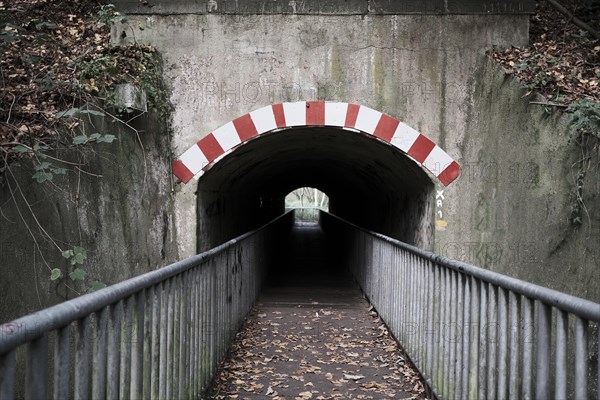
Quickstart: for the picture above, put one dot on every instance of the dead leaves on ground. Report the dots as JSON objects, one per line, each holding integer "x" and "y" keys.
{"x": 345, "y": 354}
{"x": 562, "y": 62}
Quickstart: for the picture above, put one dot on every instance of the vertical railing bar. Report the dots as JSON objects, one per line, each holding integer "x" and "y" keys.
{"x": 137, "y": 348}
{"x": 451, "y": 335}
{"x": 37, "y": 368}
{"x": 598, "y": 363}
{"x": 82, "y": 359}
{"x": 148, "y": 349}
{"x": 542, "y": 387}
{"x": 7, "y": 375}
{"x": 170, "y": 337}
{"x": 157, "y": 328}
{"x": 474, "y": 342}
{"x": 560, "y": 388}
{"x": 528, "y": 339}
{"x": 126, "y": 342}
{"x": 114, "y": 351}
{"x": 492, "y": 340}
{"x": 196, "y": 328}
{"x": 443, "y": 325}
{"x": 184, "y": 323}
{"x": 581, "y": 358}
{"x": 410, "y": 281}
{"x": 516, "y": 349}
{"x": 100, "y": 356}
{"x": 164, "y": 339}
{"x": 503, "y": 333}
{"x": 483, "y": 340}
{"x": 422, "y": 315}
{"x": 62, "y": 364}
{"x": 430, "y": 323}
{"x": 459, "y": 332}
{"x": 435, "y": 332}
{"x": 465, "y": 327}
{"x": 174, "y": 373}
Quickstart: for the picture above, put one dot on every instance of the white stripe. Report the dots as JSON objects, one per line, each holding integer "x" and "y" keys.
{"x": 264, "y": 119}
{"x": 194, "y": 159}
{"x": 367, "y": 119}
{"x": 437, "y": 160}
{"x": 227, "y": 136}
{"x": 198, "y": 175}
{"x": 404, "y": 137}
{"x": 335, "y": 114}
{"x": 295, "y": 113}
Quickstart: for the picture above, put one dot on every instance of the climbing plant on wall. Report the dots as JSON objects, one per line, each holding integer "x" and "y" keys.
{"x": 58, "y": 75}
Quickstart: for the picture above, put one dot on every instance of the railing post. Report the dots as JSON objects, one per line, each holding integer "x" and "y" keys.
{"x": 37, "y": 369}
{"x": 542, "y": 386}
{"x": 581, "y": 358}
{"x": 7, "y": 375}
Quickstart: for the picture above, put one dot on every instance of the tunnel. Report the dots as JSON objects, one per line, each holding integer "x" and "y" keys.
{"x": 368, "y": 183}
{"x": 377, "y": 172}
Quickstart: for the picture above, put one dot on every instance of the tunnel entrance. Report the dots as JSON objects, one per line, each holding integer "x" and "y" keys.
{"x": 368, "y": 183}
{"x": 376, "y": 170}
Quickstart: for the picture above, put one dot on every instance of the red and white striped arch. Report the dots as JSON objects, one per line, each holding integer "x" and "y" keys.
{"x": 353, "y": 117}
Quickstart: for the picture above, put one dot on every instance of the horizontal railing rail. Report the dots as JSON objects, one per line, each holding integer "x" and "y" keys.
{"x": 158, "y": 335}
{"x": 474, "y": 333}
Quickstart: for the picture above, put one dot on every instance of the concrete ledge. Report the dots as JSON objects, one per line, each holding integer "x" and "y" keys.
{"x": 326, "y": 7}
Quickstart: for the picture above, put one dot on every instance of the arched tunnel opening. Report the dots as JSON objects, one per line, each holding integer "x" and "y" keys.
{"x": 368, "y": 183}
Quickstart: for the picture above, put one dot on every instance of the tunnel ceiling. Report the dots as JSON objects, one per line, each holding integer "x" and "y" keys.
{"x": 334, "y": 161}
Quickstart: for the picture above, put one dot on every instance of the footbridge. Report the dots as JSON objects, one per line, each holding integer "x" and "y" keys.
{"x": 471, "y": 333}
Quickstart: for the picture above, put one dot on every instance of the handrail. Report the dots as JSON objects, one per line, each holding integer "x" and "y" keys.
{"x": 157, "y": 335}
{"x": 584, "y": 308}
{"x": 471, "y": 332}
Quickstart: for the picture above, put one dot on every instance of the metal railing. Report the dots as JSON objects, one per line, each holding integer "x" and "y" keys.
{"x": 158, "y": 335}
{"x": 473, "y": 333}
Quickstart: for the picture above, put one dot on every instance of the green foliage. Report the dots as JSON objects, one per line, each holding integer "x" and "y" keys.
{"x": 107, "y": 16}
{"x": 77, "y": 275}
{"x": 96, "y": 137}
{"x": 585, "y": 117}
{"x": 76, "y": 255}
{"x": 96, "y": 285}
{"x": 55, "y": 274}
{"x": 45, "y": 171}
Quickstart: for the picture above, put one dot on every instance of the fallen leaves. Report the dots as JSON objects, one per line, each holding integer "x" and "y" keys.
{"x": 562, "y": 63}
{"x": 346, "y": 355}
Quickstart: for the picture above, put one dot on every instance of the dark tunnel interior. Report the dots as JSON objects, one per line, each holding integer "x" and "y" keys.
{"x": 368, "y": 182}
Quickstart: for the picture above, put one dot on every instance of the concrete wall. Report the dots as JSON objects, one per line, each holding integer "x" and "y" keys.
{"x": 415, "y": 68}
{"x": 123, "y": 219}
{"x": 511, "y": 209}
{"x": 427, "y": 70}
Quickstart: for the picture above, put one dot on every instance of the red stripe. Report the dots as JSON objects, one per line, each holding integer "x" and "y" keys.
{"x": 449, "y": 174}
{"x": 279, "y": 115}
{"x": 181, "y": 171}
{"x": 245, "y": 127}
{"x": 421, "y": 148}
{"x": 210, "y": 147}
{"x": 315, "y": 113}
{"x": 386, "y": 127}
{"x": 351, "y": 115}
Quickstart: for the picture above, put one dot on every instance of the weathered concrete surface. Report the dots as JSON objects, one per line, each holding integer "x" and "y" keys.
{"x": 123, "y": 218}
{"x": 415, "y": 68}
{"x": 511, "y": 209}
{"x": 335, "y": 7}
{"x": 429, "y": 71}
